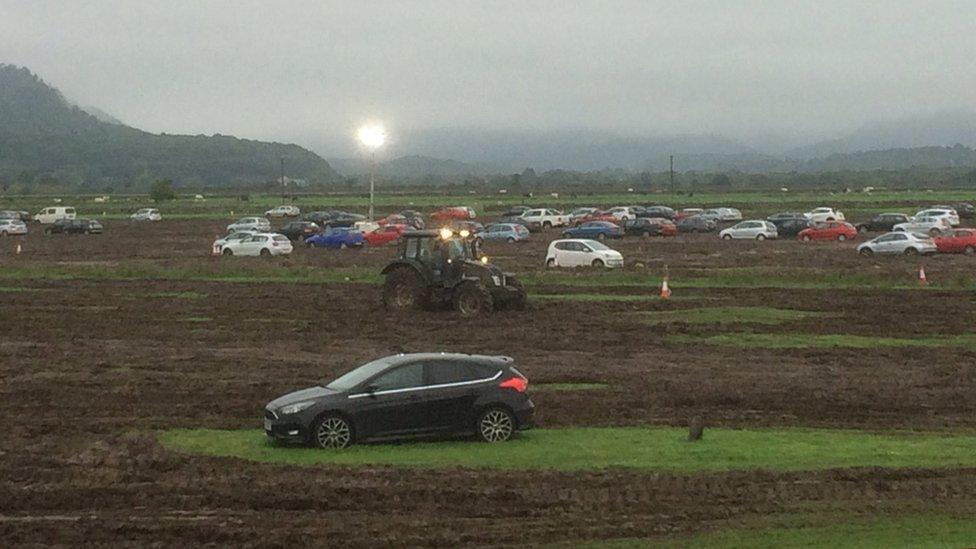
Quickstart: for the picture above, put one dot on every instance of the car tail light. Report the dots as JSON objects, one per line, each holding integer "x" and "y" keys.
{"x": 520, "y": 384}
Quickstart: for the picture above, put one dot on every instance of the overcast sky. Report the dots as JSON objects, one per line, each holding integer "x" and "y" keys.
{"x": 287, "y": 70}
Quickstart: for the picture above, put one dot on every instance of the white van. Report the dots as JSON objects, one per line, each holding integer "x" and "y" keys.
{"x": 54, "y": 213}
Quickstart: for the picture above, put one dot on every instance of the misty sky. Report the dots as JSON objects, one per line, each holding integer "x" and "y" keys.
{"x": 290, "y": 70}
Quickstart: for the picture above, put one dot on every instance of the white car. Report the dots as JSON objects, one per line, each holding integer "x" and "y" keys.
{"x": 146, "y": 214}
{"x": 218, "y": 244}
{"x": 621, "y": 213}
{"x": 266, "y": 244}
{"x": 283, "y": 211}
{"x": 12, "y": 227}
{"x": 546, "y": 218}
{"x": 951, "y": 216}
{"x": 256, "y": 224}
{"x": 824, "y": 214}
{"x": 579, "y": 252}
{"x": 921, "y": 224}
{"x": 726, "y": 214}
{"x": 754, "y": 229}
{"x": 899, "y": 242}
{"x": 54, "y": 213}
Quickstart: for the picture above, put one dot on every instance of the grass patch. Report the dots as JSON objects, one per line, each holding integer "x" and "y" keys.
{"x": 595, "y": 298}
{"x": 818, "y": 341}
{"x": 653, "y": 449}
{"x": 205, "y": 271}
{"x": 728, "y": 315}
{"x": 196, "y": 319}
{"x": 921, "y": 530}
{"x": 178, "y": 295}
{"x": 15, "y": 289}
{"x": 547, "y": 387}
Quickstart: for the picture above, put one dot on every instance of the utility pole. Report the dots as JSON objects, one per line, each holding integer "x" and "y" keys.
{"x": 672, "y": 173}
{"x": 372, "y": 181}
{"x": 282, "y": 179}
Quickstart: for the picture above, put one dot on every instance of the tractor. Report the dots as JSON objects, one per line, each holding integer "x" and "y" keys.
{"x": 434, "y": 268}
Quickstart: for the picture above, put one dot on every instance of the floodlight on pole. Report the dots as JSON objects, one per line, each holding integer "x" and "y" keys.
{"x": 372, "y": 137}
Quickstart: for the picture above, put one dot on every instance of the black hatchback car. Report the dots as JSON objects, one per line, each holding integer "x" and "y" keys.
{"x": 299, "y": 230}
{"x": 407, "y": 396}
{"x": 74, "y": 226}
{"x": 882, "y": 222}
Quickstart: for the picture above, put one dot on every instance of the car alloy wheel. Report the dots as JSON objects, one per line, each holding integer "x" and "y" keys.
{"x": 598, "y": 263}
{"x": 646, "y": 234}
{"x": 806, "y": 238}
{"x": 866, "y": 251}
{"x": 727, "y": 237}
{"x": 265, "y": 252}
{"x": 3, "y": 233}
{"x": 228, "y": 251}
{"x": 511, "y": 240}
{"x": 841, "y": 238}
{"x": 333, "y": 432}
{"x": 551, "y": 263}
{"x": 911, "y": 251}
{"x": 601, "y": 236}
{"x": 862, "y": 229}
{"x": 969, "y": 250}
{"x": 496, "y": 425}
{"x": 761, "y": 237}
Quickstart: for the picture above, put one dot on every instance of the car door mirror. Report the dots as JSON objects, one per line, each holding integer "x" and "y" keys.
{"x": 371, "y": 390}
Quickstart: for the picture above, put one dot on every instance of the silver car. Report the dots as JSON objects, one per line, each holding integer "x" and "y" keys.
{"x": 256, "y": 224}
{"x": 12, "y": 227}
{"x": 898, "y": 242}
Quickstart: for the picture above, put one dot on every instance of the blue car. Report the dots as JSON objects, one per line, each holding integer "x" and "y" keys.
{"x": 598, "y": 230}
{"x": 511, "y": 232}
{"x": 337, "y": 237}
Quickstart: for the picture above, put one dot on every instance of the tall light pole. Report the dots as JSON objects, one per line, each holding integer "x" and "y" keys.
{"x": 282, "y": 179}
{"x": 371, "y": 136}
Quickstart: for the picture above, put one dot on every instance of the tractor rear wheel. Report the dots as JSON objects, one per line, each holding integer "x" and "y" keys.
{"x": 517, "y": 302}
{"x": 405, "y": 289}
{"x": 472, "y": 299}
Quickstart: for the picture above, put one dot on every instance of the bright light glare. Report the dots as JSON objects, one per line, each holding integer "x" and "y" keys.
{"x": 446, "y": 233}
{"x": 372, "y": 136}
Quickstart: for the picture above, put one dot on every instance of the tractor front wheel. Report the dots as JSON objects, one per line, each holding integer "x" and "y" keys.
{"x": 472, "y": 299}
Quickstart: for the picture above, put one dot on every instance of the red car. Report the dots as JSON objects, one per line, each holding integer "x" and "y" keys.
{"x": 957, "y": 241}
{"x": 392, "y": 219}
{"x": 597, "y": 216}
{"x": 831, "y": 230}
{"x": 386, "y": 234}
{"x": 448, "y": 214}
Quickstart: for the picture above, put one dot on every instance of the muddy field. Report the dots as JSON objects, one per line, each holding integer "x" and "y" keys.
{"x": 91, "y": 367}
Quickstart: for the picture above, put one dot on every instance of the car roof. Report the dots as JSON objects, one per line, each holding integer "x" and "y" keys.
{"x": 403, "y": 358}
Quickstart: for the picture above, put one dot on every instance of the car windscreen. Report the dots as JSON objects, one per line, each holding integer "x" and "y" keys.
{"x": 355, "y": 377}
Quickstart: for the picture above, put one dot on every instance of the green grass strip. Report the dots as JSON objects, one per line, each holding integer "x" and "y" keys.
{"x": 653, "y": 449}
{"x": 547, "y": 387}
{"x": 727, "y": 315}
{"x": 819, "y": 341}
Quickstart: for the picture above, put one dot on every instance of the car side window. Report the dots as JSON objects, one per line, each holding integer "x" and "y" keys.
{"x": 563, "y": 246}
{"x": 440, "y": 372}
{"x": 402, "y": 377}
{"x": 899, "y": 237}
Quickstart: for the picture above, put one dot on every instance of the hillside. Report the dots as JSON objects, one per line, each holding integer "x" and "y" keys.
{"x": 42, "y": 134}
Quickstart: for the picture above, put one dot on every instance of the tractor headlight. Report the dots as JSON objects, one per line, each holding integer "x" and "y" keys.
{"x": 465, "y": 233}
{"x": 497, "y": 280}
{"x": 446, "y": 233}
{"x": 484, "y": 259}
{"x": 295, "y": 408}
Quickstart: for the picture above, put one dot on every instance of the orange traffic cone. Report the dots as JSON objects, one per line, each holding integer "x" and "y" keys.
{"x": 921, "y": 276}
{"x": 665, "y": 290}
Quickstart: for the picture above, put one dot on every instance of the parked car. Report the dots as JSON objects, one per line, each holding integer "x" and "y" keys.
{"x": 957, "y": 241}
{"x": 407, "y": 396}
{"x": 657, "y": 211}
{"x": 950, "y": 215}
{"x": 757, "y": 229}
{"x": 695, "y": 224}
{"x": 621, "y": 213}
{"x": 711, "y": 215}
{"x": 822, "y": 214}
{"x": 218, "y": 244}
{"x": 256, "y": 224}
{"x": 898, "y": 242}
{"x": 386, "y": 234}
{"x": 579, "y": 252}
{"x": 650, "y": 226}
{"x": 548, "y": 218}
{"x": 337, "y": 237}
{"x": 452, "y": 213}
{"x": 285, "y": 210}
{"x": 510, "y": 232}
{"x": 515, "y": 211}
{"x": 882, "y": 222}
{"x": 596, "y": 216}
{"x": 688, "y": 212}
{"x": 54, "y": 213}
{"x": 146, "y": 214}
{"x": 299, "y": 230}
{"x": 265, "y": 244}
{"x": 74, "y": 226}
{"x": 965, "y": 210}
{"x": 15, "y": 214}
{"x": 532, "y": 226}
{"x": 414, "y": 218}
{"x": 792, "y": 227}
{"x": 473, "y": 227}
{"x": 728, "y": 214}
{"x": 930, "y": 225}
{"x": 594, "y": 229}
{"x": 831, "y": 230}
{"x": 579, "y": 213}
{"x": 11, "y": 227}
{"x": 777, "y": 218}
{"x": 334, "y": 218}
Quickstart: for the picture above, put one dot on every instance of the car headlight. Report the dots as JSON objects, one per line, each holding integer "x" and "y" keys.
{"x": 497, "y": 280}
{"x": 295, "y": 408}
